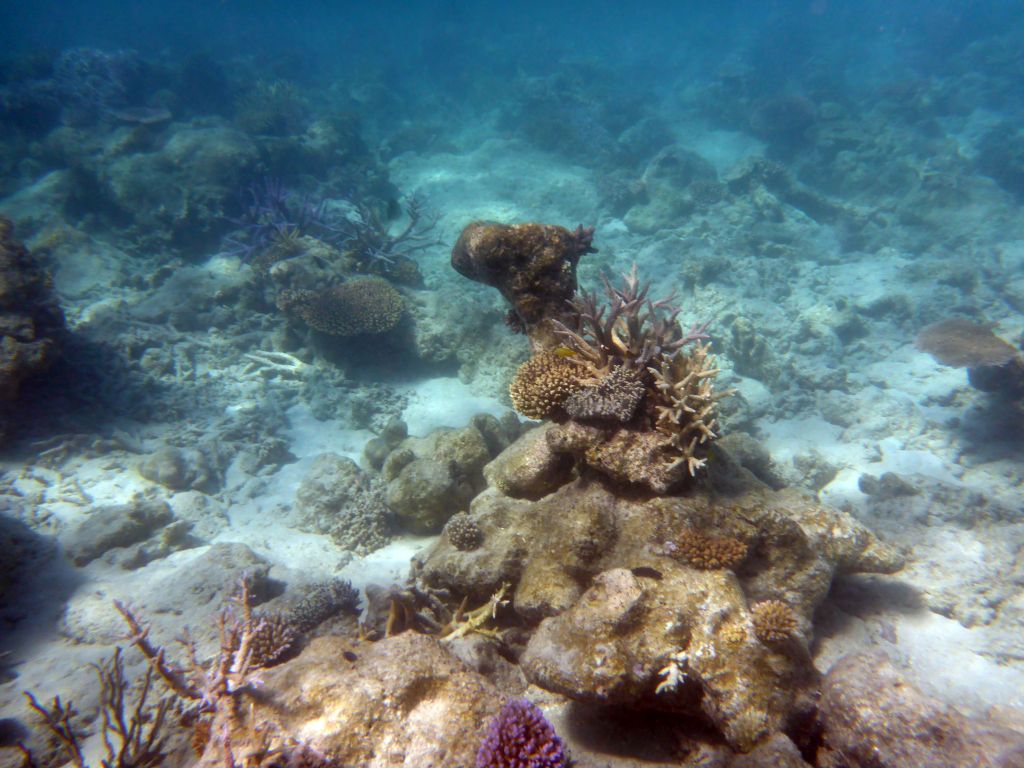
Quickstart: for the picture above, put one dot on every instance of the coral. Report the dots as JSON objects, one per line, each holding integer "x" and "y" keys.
{"x": 132, "y": 728}
{"x": 708, "y": 552}
{"x": 274, "y": 639}
{"x": 686, "y": 414}
{"x": 324, "y": 600}
{"x": 615, "y": 397}
{"x": 91, "y": 83}
{"x": 774, "y": 621}
{"x": 366, "y": 240}
{"x": 521, "y": 737}
{"x": 964, "y": 344}
{"x": 543, "y": 384}
{"x": 364, "y": 306}
{"x": 532, "y": 265}
{"x": 463, "y": 532}
{"x": 634, "y": 333}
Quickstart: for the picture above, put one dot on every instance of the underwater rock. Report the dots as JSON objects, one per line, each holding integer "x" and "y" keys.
{"x": 431, "y": 478}
{"x": 107, "y": 528}
{"x": 531, "y": 469}
{"x": 618, "y": 603}
{"x": 424, "y": 495}
{"x": 337, "y": 498}
{"x": 532, "y": 265}
{"x": 872, "y": 716}
{"x": 777, "y": 751}
{"x": 31, "y": 320}
{"x": 407, "y": 702}
{"x": 179, "y": 469}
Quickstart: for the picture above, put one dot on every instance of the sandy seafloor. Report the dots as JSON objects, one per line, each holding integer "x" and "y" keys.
{"x": 954, "y": 616}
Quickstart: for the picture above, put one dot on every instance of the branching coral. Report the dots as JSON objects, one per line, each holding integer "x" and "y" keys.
{"x": 132, "y": 729}
{"x": 630, "y": 330}
{"x": 651, "y": 377}
{"x": 213, "y": 691}
{"x": 365, "y": 306}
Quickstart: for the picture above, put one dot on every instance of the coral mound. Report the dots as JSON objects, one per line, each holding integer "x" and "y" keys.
{"x": 616, "y": 616}
{"x": 364, "y": 306}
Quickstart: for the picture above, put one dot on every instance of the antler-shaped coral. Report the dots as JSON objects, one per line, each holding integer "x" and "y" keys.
{"x": 635, "y": 331}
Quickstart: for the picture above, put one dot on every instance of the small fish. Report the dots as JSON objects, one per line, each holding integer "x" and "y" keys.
{"x": 565, "y": 352}
{"x": 645, "y": 571}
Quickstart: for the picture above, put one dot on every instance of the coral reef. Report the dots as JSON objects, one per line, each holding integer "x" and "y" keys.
{"x": 521, "y": 737}
{"x": 597, "y": 577}
{"x": 962, "y": 343}
{"x": 31, "y": 321}
{"x": 532, "y": 265}
{"x": 354, "y": 308}
{"x": 337, "y": 498}
{"x": 641, "y": 401}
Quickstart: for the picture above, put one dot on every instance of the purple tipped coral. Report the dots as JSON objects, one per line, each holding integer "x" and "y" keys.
{"x": 521, "y": 737}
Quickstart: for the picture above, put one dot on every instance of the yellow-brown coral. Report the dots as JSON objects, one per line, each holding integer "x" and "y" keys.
{"x": 774, "y": 621}
{"x": 369, "y": 305}
{"x": 542, "y": 385}
{"x": 709, "y": 552}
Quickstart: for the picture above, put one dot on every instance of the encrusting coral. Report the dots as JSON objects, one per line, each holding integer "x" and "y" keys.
{"x": 364, "y": 306}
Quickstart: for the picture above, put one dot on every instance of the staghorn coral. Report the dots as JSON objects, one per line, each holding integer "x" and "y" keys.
{"x": 464, "y": 532}
{"x": 774, "y": 621}
{"x": 521, "y": 737}
{"x": 364, "y": 306}
{"x": 543, "y": 384}
{"x": 615, "y": 397}
{"x": 213, "y": 691}
{"x": 132, "y": 726}
{"x": 631, "y": 330}
{"x": 686, "y": 413}
{"x": 708, "y": 552}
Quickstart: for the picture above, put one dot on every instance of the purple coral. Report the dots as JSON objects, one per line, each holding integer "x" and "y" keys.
{"x": 521, "y": 737}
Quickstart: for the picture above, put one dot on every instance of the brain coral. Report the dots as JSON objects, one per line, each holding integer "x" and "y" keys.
{"x": 542, "y": 385}
{"x": 369, "y": 305}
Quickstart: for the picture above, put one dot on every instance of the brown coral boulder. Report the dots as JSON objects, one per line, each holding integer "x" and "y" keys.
{"x": 873, "y": 717}
{"x": 31, "y": 321}
{"x": 533, "y": 265}
{"x": 404, "y": 701}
